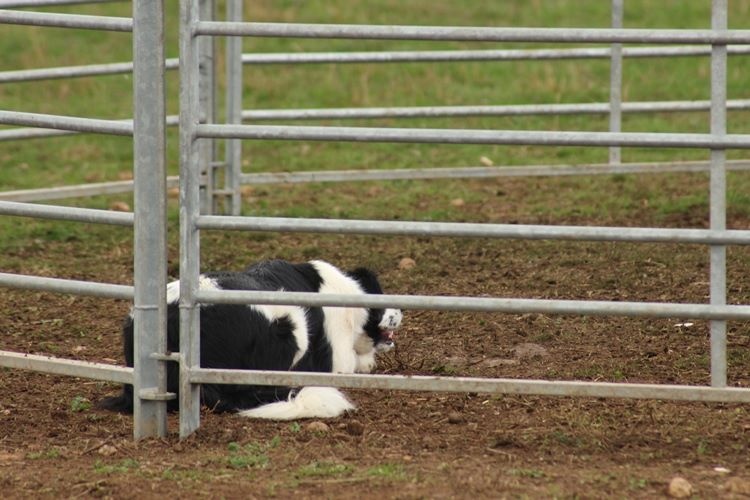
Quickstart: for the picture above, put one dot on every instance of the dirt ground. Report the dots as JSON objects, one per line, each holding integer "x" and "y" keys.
{"x": 55, "y": 444}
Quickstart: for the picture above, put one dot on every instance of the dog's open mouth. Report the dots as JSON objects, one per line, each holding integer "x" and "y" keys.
{"x": 389, "y": 323}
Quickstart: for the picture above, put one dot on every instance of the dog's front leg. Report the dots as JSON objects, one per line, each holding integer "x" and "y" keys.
{"x": 344, "y": 361}
{"x": 365, "y": 362}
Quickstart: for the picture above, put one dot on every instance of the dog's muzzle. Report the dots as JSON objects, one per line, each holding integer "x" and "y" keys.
{"x": 388, "y": 326}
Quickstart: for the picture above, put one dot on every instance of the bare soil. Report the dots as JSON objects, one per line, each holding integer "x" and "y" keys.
{"x": 54, "y": 444}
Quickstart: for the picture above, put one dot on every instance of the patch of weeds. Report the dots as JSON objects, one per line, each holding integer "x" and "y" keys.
{"x": 588, "y": 372}
{"x": 702, "y": 447}
{"x": 50, "y": 348}
{"x": 444, "y": 370}
{"x": 692, "y": 362}
{"x": 323, "y": 469}
{"x": 543, "y": 337}
{"x": 530, "y": 473}
{"x": 605, "y": 478}
{"x": 295, "y": 427}
{"x": 387, "y": 471}
{"x": 684, "y": 204}
{"x": 172, "y": 474}
{"x": 120, "y": 467}
{"x": 637, "y": 483}
{"x": 565, "y": 439}
{"x": 80, "y": 404}
{"x": 251, "y": 455}
{"x": 50, "y": 454}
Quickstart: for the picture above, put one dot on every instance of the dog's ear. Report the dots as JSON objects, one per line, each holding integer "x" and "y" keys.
{"x": 367, "y": 279}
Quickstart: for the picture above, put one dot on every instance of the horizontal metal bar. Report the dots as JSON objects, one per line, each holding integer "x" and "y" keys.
{"x": 381, "y": 57}
{"x": 472, "y": 384}
{"x": 480, "y": 55}
{"x": 479, "y": 172}
{"x": 74, "y": 287}
{"x": 57, "y": 20}
{"x": 37, "y": 133}
{"x": 55, "y": 193}
{"x": 66, "y": 123}
{"x": 76, "y": 214}
{"x": 15, "y": 4}
{"x": 16, "y": 134}
{"x": 70, "y": 367}
{"x": 467, "y": 136}
{"x": 79, "y": 190}
{"x": 475, "y": 230}
{"x": 470, "y": 34}
{"x": 24, "y": 75}
{"x": 481, "y": 304}
{"x": 500, "y": 110}
{"x": 393, "y": 112}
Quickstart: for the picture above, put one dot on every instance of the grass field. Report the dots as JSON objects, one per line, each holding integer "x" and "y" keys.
{"x": 74, "y": 160}
{"x": 396, "y": 445}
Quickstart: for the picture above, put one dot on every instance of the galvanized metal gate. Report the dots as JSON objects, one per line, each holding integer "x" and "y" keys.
{"x": 717, "y": 237}
{"x": 149, "y": 218}
{"x": 197, "y": 27}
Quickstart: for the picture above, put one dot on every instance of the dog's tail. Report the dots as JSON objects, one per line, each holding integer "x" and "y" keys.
{"x": 309, "y": 402}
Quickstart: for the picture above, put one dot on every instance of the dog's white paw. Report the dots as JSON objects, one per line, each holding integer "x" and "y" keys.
{"x": 366, "y": 362}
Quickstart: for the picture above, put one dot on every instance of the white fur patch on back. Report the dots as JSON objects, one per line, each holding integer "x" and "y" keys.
{"x": 342, "y": 325}
{"x": 204, "y": 283}
{"x": 173, "y": 289}
{"x": 173, "y": 292}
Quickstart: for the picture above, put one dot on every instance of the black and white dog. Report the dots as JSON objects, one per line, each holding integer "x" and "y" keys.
{"x": 268, "y": 337}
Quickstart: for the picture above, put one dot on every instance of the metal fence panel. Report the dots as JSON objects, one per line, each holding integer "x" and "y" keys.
{"x": 150, "y": 185}
{"x": 148, "y": 376}
{"x": 718, "y": 237}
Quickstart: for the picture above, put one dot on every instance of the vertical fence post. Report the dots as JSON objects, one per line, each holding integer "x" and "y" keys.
{"x": 233, "y": 154}
{"x": 718, "y": 188}
{"x": 207, "y": 99}
{"x": 189, "y": 211}
{"x": 615, "y": 83}
{"x": 149, "y": 151}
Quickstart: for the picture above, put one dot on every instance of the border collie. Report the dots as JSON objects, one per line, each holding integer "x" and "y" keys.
{"x": 269, "y": 337}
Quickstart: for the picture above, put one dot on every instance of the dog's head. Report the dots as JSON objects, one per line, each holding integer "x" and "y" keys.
{"x": 381, "y": 324}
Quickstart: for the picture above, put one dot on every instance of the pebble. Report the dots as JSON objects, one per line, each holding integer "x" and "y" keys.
{"x": 406, "y": 263}
{"x": 119, "y": 206}
{"x": 355, "y": 428}
{"x": 318, "y": 426}
{"x": 455, "y": 417}
{"x": 679, "y": 487}
{"x": 107, "y": 450}
{"x": 737, "y": 486}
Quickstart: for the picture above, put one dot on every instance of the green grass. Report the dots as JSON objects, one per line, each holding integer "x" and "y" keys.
{"x": 252, "y": 455}
{"x": 387, "y": 471}
{"x": 123, "y": 466}
{"x": 80, "y": 404}
{"x": 323, "y": 469}
{"x": 48, "y": 454}
{"x": 89, "y": 158}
